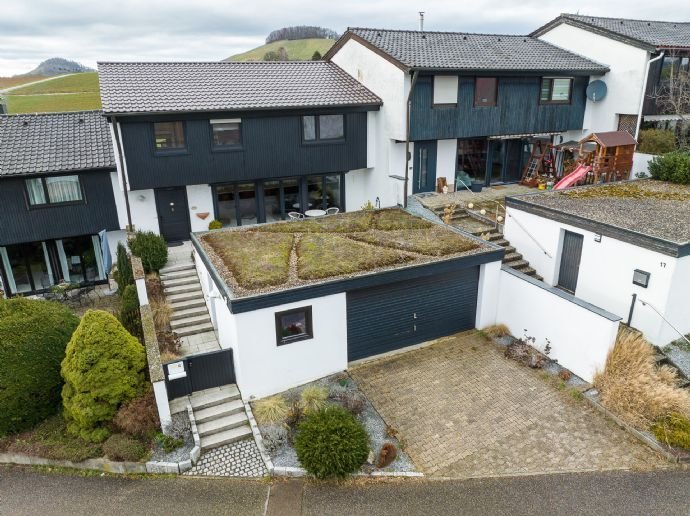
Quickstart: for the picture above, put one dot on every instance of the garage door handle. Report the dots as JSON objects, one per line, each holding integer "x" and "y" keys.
{"x": 414, "y": 315}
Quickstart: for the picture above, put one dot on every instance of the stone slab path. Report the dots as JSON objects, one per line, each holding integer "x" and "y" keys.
{"x": 463, "y": 410}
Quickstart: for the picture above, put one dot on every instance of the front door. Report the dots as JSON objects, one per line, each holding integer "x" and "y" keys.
{"x": 424, "y": 176}
{"x": 570, "y": 261}
{"x": 173, "y": 214}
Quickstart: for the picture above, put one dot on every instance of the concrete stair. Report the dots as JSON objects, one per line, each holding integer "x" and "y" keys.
{"x": 183, "y": 292}
{"x": 220, "y": 416}
{"x": 512, "y": 258}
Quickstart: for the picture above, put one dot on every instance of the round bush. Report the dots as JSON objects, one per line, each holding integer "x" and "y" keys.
{"x": 331, "y": 443}
{"x": 120, "y": 447}
{"x": 103, "y": 368}
{"x": 151, "y": 248}
{"x": 33, "y": 337}
{"x": 673, "y": 167}
{"x": 215, "y": 224}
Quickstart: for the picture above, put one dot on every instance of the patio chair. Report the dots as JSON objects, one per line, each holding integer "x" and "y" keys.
{"x": 333, "y": 210}
{"x": 295, "y": 215}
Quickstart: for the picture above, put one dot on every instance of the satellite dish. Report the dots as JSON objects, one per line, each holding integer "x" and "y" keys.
{"x": 596, "y": 90}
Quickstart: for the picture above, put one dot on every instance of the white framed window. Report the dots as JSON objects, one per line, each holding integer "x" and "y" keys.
{"x": 445, "y": 89}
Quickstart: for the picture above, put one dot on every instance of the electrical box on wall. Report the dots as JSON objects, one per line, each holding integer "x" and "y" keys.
{"x": 641, "y": 278}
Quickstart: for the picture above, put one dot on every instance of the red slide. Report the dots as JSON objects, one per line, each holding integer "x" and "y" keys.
{"x": 576, "y": 175}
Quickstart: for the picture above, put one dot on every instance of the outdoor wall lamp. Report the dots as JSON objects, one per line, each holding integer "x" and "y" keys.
{"x": 641, "y": 278}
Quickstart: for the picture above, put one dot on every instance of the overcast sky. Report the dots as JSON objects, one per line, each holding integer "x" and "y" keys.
{"x": 89, "y": 31}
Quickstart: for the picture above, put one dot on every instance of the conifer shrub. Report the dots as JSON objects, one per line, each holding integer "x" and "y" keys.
{"x": 123, "y": 275}
{"x": 129, "y": 314}
{"x": 331, "y": 443}
{"x": 33, "y": 338}
{"x": 103, "y": 369}
{"x": 151, "y": 248}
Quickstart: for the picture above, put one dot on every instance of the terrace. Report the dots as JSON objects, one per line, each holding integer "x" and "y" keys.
{"x": 284, "y": 255}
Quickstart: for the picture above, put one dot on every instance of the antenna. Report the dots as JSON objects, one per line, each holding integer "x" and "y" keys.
{"x": 421, "y": 20}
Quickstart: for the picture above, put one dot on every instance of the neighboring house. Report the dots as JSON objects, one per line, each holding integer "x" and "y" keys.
{"x": 243, "y": 143}
{"x": 623, "y": 247}
{"x": 474, "y": 102}
{"x": 56, "y": 194}
{"x": 640, "y": 54}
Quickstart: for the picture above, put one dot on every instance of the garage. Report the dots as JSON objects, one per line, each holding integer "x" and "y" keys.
{"x": 395, "y": 315}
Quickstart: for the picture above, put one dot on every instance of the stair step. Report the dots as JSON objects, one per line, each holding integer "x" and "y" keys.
{"x": 511, "y": 257}
{"x": 502, "y": 242}
{"x": 194, "y": 320}
{"x": 538, "y": 277}
{"x": 212, "y": 397}
{"x": 189, "y": 280}
{"x": 218, "y": 411}
{"x": 509, "y": 249}
{"x": 184, "y": 296}
{"x": 189, "y": 312}
{"x": 221, "y": 424}
{"x": 181, "y": 289}
{"x": 529, "y": 271}
{"x": 226, "y": 437}
{"x": 178, "y": 274}
{"x": 495, "y": 236}
{"x": 186, "y": 331}
{"x": 188, "y": 304}
{"x": 176, "y": 268}
{"x": 519, "y": 265}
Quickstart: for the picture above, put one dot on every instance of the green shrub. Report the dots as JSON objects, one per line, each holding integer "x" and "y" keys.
{"x": 215, "y": 224}
{"x": 674, "y": 430}
{"x": 123, "y": 275}
{"x": 673, "y": 167}
{"x": 151, "y": 248}
{"x": 103, "y": 368}
{"x": 129, "y": 311}
{"x": 331, "y": 443}
{"x": 121, "y": 447}
{"x": 271, "y": 410}
{"x": 33, "y": 337}
{"x": 656, "y": 141}
{"x": 168, "y": 443}
{"x": 313, "y": 398}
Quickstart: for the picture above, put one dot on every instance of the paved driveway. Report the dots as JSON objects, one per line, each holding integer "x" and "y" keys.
{"x": 462, "y": 410}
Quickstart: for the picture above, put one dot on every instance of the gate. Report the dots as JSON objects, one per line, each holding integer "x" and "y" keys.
{"x": 199, "y": 372}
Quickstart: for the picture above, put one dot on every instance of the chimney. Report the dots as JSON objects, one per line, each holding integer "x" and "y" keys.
{"x": 421, "y": 20}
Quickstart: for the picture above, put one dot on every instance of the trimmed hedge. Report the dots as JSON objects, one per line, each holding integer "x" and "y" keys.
{"x": 151, "y": 248}
{"x": 33, "y": 337}
{"x": 673, "y": 167}
{"x": 331, "y": 443}
{"x": 103, "y": 368}
{"x": 656, "y": 141}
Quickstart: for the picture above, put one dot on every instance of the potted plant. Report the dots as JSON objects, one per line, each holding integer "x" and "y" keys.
{"x": 477, "y": 186}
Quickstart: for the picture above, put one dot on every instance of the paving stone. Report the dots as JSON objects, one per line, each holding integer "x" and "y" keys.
{"x": 462, "y": 409}
{"x": 238, "y": 459}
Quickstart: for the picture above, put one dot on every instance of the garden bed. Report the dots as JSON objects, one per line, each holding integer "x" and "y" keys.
{"x": 339, "y": 388}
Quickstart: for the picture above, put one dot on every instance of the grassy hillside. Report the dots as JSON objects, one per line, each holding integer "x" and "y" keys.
{"x": 10, "y": 82}
{"x": 297, "y": 49}
{"x": 70, "y": 93}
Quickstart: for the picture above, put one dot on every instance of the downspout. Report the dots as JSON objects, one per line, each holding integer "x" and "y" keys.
{"x": 644, "y": 92}
{"x": 123, "y": 176}
{"x": 415, "y": 74}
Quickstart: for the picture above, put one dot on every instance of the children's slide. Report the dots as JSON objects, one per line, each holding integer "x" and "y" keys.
{"x": 576, "y": 175}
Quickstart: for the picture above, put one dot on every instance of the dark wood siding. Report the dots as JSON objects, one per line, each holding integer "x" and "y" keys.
{"x": 271, "y": 147}
{"x": 20, "y": 224}
{"x": 517, "y": 110}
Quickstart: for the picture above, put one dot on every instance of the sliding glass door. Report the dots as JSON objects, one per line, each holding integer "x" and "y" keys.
{"x": 26, "y": 268}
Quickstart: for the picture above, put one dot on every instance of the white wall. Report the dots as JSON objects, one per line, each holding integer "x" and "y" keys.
{"x": 624, "y": 81}
{"x": 445, "y": 89}
{"x": 488, "y": 294}
{"x": 678, "y": 303}
{"x": 606, "y": 269}
{"x": 580, "y": 338}
{"x": 119, "y": 195}
{"x": 200, "y": 200}
{"x": 641, "y": 164}
{"x": 446, "y": 156}
{"x": 142, "y": 206}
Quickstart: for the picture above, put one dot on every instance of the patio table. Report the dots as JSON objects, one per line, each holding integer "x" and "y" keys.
{"x": 315, "y": 213}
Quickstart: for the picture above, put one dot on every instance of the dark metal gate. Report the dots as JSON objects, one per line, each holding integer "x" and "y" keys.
{"x": 570, "y": 261}
{"x": 199, "y": 372}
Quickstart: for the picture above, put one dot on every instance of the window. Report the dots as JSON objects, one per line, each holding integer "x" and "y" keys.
{"x": 226, "y": 133}
{"x": 555, "y": 91}
{"x": 53, "y": 190}
{"x": 485, "y": 90}
{"x": 294, "y": 325}
{"x": 323, "y": 128}
{"x": 445, "y": 90}
{"x": 169, "y": 136}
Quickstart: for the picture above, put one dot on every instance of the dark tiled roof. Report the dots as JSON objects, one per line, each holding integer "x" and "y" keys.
{"x": 462, "y": 51}
{"x": 645, "y": 33}
{"x": 54, "y": 142}
{"x": 227, "y": 86}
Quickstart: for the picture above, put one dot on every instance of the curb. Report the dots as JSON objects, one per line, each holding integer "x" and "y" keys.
{"x": 104, "y": 465}
{"x": 265, "y": 457}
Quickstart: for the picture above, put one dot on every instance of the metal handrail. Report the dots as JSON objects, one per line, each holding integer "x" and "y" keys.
{"x": 529, "y": 235}
{"x": 647, "y": 303}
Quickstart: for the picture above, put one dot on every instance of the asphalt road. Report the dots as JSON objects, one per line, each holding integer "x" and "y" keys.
{"x": 27, "y": 491}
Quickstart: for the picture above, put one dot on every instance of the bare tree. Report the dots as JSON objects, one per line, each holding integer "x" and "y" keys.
{"x": 672, "y": 95}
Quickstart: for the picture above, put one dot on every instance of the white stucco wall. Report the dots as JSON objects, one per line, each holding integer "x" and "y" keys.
{"x": 119, "y": 195}
{"x": 624, "y": 81}
{"x": 199, "y": 201}
{"x": 580, "y": 338}
{"x": 446, "y": 155}
{"x": 142, "y": 206}
{"x": 606, "y": 269}
{"x": 678, "y": 303}
{"x": 488, "y": 294}
{"x": 641, "y": 164}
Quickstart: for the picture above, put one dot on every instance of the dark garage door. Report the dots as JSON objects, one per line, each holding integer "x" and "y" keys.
{"x": 392, "y": 316}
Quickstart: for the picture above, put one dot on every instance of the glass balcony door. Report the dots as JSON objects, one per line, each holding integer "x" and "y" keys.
{"x": 26, "y": 268}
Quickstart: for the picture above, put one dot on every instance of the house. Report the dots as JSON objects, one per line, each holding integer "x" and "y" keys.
{"x": 56, "y": 194}
{"x": 641, "y": 56}
{"x": 459, "y": 106}
{"x": 242, "y": 143}
{"x": 623, "y": 247}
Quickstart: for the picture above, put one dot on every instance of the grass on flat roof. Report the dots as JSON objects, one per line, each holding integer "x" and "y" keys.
{"x": 259, "y": 257}
{"x": 647, "y": 189}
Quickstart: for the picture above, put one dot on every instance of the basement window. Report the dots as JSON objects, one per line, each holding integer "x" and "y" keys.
{"x": 555, "y": 90}
{"x": 294, "y": 325}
